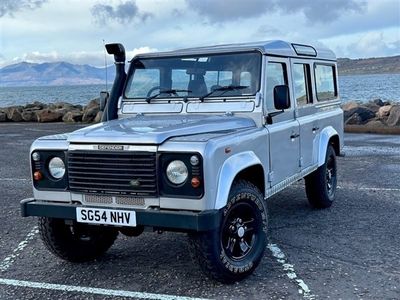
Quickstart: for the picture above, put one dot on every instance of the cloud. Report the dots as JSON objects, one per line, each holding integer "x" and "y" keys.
{"x": 314, "y": 11}
{"x": 373, "y": 44}
{"x": 9, "y": 7}
{"x": 122, "y": 13}
{"x": 94, "y": 58}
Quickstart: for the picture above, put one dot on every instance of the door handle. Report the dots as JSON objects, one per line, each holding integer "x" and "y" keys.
{"x": 294, "y": 136}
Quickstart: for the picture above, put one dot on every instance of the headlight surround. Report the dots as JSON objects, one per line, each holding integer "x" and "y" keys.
{"x": 177, "y": 172}
{"x": 56, "y": 167}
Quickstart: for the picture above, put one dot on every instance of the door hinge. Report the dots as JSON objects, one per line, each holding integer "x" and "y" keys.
{"x": 301, "y": 162}
{"x": 270, "y": 176}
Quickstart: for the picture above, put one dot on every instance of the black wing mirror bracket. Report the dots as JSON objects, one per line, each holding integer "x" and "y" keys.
{"x": 281, "y": 101}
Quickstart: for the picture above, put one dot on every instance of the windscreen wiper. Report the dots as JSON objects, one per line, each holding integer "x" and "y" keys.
{"x": 170, "y": 91}
{"x": 224, "y": 89}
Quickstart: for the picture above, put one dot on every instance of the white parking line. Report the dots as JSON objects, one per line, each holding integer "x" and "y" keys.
{"x": 14, "y": 179}
{"x": 289, "y": 269}
{"x": 9, "y": 260}
{"x": 377, "y": 189}
{"x": 90, "y": 290}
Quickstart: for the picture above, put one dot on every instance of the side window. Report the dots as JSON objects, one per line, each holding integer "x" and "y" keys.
{"x": 144, "y": 80}
{"x": 302, "y": 87}
{"x": 325, "y": 82}
{"x": 276, "y": 75}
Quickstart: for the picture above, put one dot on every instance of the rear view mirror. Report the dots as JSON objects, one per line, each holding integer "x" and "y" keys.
{"x": 281, "y": 97}
{"x": 103, "y": 99}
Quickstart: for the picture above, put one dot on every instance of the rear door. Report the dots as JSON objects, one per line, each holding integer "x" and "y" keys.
{"x": 306, "y": 112}
{"x": 283, "y": 128}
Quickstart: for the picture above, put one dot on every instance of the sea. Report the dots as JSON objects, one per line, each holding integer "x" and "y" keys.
{"x": 361, "y": 88}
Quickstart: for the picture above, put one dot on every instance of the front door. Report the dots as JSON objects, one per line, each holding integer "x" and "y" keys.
{"x": 284, "y": 132}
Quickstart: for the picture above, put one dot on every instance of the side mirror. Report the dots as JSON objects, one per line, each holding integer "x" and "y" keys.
{"x": 103, "y": 99}
{"x": 281, "y": 97}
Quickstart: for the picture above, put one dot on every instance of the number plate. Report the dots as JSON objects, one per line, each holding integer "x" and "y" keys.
{"x": 106, "y": 216}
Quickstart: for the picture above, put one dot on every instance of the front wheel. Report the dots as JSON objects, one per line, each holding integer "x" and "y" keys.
{"x": 76, "y": 242}
{"x": 234, "y": 250}
{"x": 321, "y": 184}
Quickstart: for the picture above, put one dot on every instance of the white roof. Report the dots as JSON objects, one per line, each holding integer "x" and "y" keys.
{"x": 274, "y": 47}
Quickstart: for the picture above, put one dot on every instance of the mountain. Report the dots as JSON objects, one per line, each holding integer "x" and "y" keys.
{"x": 58, "y": 73}
{"x": 376, "y": 65}
{"x": 63, "y": 73}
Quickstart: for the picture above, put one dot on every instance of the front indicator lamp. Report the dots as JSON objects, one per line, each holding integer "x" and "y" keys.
{"x": 56, "y": 168}
{"x": 195, "y": 182}
{"x": 37, "y": 175}
{"x": 177, "y": 172}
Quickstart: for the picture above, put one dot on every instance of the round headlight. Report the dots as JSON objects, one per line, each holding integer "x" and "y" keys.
{"x": 177, "y": 172}
{"x": 56, "y": 167}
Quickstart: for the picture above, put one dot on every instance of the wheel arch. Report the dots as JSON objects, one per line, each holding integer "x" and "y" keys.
{"x": 245, "y": 165}
{"x": 328, "y": 136}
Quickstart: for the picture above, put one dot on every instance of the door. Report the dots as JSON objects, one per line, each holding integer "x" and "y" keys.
{"x": 283, "y": 128}
{"x": 306, "y": 112}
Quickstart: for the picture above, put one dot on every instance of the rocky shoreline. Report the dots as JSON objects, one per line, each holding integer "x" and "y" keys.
{"x": 375, "y": 116}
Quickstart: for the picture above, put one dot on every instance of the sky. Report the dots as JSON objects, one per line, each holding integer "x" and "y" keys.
{"x": 74, "y": 30}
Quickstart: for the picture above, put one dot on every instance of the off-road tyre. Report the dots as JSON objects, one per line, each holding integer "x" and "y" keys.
{"x": 322, "y": 183}
{"x": 211, "y": 249}
{"x": 76, "y": 242}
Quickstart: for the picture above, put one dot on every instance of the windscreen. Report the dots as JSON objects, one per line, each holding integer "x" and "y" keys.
{"x": 222, "y": 75}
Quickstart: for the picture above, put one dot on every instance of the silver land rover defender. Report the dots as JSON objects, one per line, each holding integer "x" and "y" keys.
{"x": 193, "y": 140}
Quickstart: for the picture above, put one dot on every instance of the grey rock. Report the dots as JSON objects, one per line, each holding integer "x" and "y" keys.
{"x": 14, "y": 113}
{"x": 97, "y": 119}
{"x": 3, "y": 116}
{"x": 73, "y": 116}
{"x": 378, "y": 102}
{"x": 384, "y": 111}
{"x": 29, "y": 115}
{"x": 48, "y": 115}
{"x": 35, "y": 106}
{"x": 394, "y": 116}
{"x": 90, "y": 114}
{"x": 363, "y": 115}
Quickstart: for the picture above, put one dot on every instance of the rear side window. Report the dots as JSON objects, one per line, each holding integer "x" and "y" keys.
{"x": 302, "y": 88}
{"x": 325, "y": 82}
{"x": 276, "y": 75}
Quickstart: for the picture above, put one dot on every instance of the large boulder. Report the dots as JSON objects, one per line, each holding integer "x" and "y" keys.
{"x": 3, "y": 116}
{"x": 14, "y": 113}
{"x": 394, "y": 116}
{"x": 384, "y": 111}
{"x": 350, "y": 105}
{"x": 29, "y": 115}
{"x": 90, "y": 111}
{"x": 35, "y": 106}
{"x": 358, "y": 115}
{"x": 378, "y": 102}
{"x": 49, "y": 115}
{"x": 73, "y": 116}
{"x": 97, "y": 119}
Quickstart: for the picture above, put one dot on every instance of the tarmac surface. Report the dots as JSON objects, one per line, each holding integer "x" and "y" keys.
{"x": 349, "y": 251}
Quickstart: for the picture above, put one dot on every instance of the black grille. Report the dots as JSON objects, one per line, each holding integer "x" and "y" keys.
{"x": 113, "y": 172}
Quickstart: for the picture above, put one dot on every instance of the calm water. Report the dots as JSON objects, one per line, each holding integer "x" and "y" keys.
{"x": 353, "y": 87}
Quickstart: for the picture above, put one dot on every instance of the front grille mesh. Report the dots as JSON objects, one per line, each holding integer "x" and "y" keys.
{"x": 113, "y": 173}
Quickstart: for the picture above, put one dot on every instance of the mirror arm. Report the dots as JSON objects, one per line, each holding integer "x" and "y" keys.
{"x": 268, "y": 118}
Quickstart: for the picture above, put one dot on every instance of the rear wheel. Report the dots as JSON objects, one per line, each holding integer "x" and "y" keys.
{"x": 234, "y": 250}
{"x": 321, "y": 184}
{"x": 76, "y": 242}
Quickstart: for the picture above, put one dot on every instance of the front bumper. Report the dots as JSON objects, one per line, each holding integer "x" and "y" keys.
{"x": 168, "y": 220}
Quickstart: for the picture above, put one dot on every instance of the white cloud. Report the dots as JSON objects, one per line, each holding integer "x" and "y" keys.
{"x": 94, "y": 58}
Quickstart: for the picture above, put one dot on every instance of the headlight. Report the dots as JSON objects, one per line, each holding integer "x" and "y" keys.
{"x": 56, "y": 167}
{"x": 177, "y": 172}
